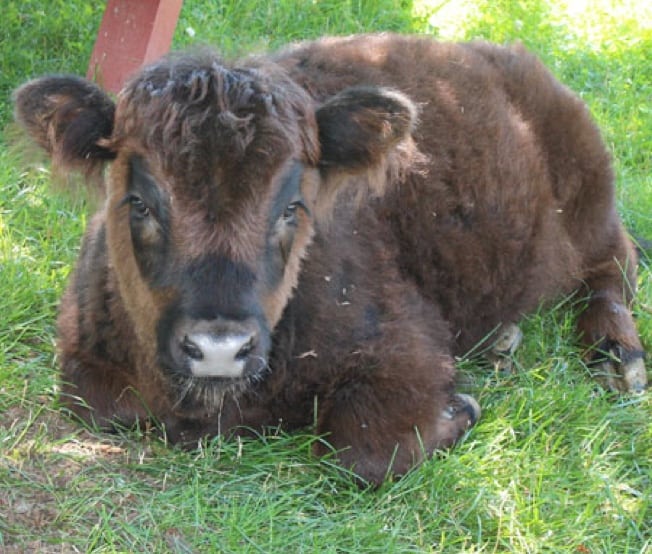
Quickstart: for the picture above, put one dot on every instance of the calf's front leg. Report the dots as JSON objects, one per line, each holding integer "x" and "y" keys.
{"x": 381, "y": 425}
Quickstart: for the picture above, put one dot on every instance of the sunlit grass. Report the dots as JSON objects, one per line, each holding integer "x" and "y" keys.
{"x": 597, "y": 24}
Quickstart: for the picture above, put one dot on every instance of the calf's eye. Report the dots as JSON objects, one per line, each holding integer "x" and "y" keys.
{"x": 290, "y": 213}
{"x": 139, "y": 208}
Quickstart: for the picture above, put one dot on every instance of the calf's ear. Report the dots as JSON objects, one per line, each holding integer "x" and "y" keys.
{"x": 68, "y": 117}
{"x": 359, "y": 126}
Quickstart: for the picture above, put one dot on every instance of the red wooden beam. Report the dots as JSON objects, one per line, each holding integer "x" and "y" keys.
{"x": 132, "y": 32}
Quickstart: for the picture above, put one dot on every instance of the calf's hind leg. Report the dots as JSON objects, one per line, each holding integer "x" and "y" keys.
{"x": 607, "y": 327}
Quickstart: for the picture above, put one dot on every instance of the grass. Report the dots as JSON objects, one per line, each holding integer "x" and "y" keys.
{"x": 555, "y": 464}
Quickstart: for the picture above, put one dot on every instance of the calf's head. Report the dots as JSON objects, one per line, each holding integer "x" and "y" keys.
{"x": 216, "y": 174}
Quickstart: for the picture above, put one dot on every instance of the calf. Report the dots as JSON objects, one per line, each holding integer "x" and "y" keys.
{"x": 314, "y": 235}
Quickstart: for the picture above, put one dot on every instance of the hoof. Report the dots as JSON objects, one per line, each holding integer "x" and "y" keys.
{"x": 500, "y": 355}
{"x": 620, "y": 370}
{"x": 461, "y": 413}
{"x": 463, "y": 406}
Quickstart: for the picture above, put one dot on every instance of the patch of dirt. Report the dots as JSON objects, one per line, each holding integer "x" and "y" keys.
{"x": 45, "y": 461}
{"x": 40, "y": 547}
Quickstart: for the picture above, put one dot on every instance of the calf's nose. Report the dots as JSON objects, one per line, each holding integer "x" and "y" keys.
{"x": 213, "y": 355}
{"x": 220, "y": 347}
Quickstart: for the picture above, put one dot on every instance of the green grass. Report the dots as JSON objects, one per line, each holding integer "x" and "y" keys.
{"x": 554, "y": 465}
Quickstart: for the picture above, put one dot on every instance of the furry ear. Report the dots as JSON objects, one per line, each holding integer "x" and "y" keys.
{"x": 360, "y": 125}
{"x": 68, "y": 117}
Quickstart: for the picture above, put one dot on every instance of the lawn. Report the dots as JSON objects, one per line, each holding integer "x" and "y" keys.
{"x": 554, "y": 465}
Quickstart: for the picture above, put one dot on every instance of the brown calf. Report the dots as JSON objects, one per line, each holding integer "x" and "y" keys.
{"x": 328, "y": 227}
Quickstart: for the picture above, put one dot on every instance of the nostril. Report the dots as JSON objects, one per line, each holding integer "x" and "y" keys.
{"x": 246, "y": 349}
{"x": 191, "y": 349}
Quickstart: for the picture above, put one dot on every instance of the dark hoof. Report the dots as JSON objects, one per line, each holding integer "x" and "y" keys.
{"x": 620, "y": 370}
{"x": 463, "y": 406}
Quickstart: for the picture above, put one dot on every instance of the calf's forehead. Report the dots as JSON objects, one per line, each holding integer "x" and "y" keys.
{"x": 231, "y": 215}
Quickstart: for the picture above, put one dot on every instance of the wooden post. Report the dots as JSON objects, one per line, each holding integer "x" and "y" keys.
{"x": 132, "y": 32}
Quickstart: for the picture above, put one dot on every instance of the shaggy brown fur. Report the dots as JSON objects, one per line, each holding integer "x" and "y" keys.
{"x": 237, "y": 214}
